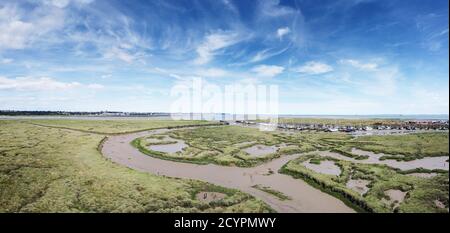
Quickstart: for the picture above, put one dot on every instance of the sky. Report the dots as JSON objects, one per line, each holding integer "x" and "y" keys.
{"x": 326, "y": 57}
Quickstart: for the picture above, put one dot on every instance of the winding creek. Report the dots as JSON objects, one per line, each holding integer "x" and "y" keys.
{"x": 304, "y": 197}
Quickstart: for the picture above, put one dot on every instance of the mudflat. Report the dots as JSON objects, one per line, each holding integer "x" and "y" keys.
{"x": 427, "y": 162}
{"x": 305, "y": 198}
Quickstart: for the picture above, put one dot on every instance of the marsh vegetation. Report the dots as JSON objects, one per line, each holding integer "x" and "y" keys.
{"x": 59, "y": 170}
{"x": 111, "y": 126}
{"x": 223, "y": 145}
{"x": 55, "y": 166}
{"x": 374, "y": 187}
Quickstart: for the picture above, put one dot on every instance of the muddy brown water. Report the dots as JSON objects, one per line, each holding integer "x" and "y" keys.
{"x": 325, "y": 167}
{"x": 169, "y": 148}
{"x": 358, "y": 185}
{"x": 260, "y": 150}
{"x": 395, "y": 196}
{"x": 305, "y": 198}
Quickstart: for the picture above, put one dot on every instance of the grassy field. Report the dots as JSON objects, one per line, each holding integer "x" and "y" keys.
{"x": 399, "y": 147}
{"x": 58, "y": 170}
{"x": 421, "y": 193}
{"x": 225, "y": 145}
{"x": 411, "y": 146}
{"x": 55, "y": 166}
{"x": 108, "y": 126}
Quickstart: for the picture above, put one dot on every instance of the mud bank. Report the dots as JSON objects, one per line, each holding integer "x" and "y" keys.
{"x": 304, "y": 197}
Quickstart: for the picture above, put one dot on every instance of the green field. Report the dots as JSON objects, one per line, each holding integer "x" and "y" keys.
{"x": 411, "y": 146}
{"x": 225, "y": 145}
{"x": 421, "y": 193}
{"x": 399, "y": 147}
{"x": 55, "y": 166}
{"x": 45, "y": 169}
{"x": 114, "y": 126}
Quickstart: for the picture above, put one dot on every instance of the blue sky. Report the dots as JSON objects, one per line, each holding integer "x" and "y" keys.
{"x": 327, "y": 57}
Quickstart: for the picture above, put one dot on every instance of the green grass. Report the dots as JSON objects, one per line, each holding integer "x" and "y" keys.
{"x": 53, "y": 169}
{"x": 400, "y": 147}
{"x": 276, "y": 193}
{"x": 116, "y": 126}
{"x": 410, "y": 146}
{"x": 316, "y": 161}
{"x": 225, "y": 145}
{"x": 422, "y": 192}
{"x": 58, "y": 170}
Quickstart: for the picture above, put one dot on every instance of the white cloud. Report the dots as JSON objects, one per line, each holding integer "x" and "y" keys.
{"x": 382, "y": 83}
{"x": 213, "y": 43}
{"x": 64, "y": 3}
{"x": 6, "y": 60}
{"x": 272, "y": 8}
{"x": 95, "y": 86}
{"x": 268, "y": 70}
{"x": 120, "y": 54}
{"x": 30, "y": 83}
{"x": 18, "y": 29}
{"x": 58, "y": 3}
{"x": 265, "y": 54}
{"x": 41, "y": 84}
{"x": 359, "y": 65}
{"x": 212, "y": 72}
{"x": 15, "y": 34}
{"x": 314, "y": 67}
{"x": 282, "y": 32}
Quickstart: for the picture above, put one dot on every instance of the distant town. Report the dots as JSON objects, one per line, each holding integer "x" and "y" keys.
{"x": 408, "y": 125}
{"x": 69, "y": 113}
{"x": 363, "y": 125}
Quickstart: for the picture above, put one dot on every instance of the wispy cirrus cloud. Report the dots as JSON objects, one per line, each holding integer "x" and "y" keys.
{"x": 213, "y": 43}
{"x": 6, "y": 60}
{"x": 41, "y": 84}
{"x": 212, "y": 72}
{"x": 371, "y": 66}
{"x": 267, "y": 70}
{"x": 266, "y": 54}
{"x": 64, "y": 3}
{"x": 20, "y": 29}
{"x": 158, "y": 43}
{"x": 313, "y": 68}
{"x": 433, "y": 34}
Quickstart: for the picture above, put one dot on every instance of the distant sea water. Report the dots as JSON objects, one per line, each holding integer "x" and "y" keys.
{"x": 374, "y": 116}
{"x": 209, "y": 116}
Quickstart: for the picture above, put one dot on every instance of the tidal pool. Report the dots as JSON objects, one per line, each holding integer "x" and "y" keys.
{"x": 395, "y": 197}
{"x": 169, "y": 148}
{"x": 325, "y": 167}
{"x": 358, "y": 185}
{"x": 260, "y": 150}
{"x": 427, "y": 162}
